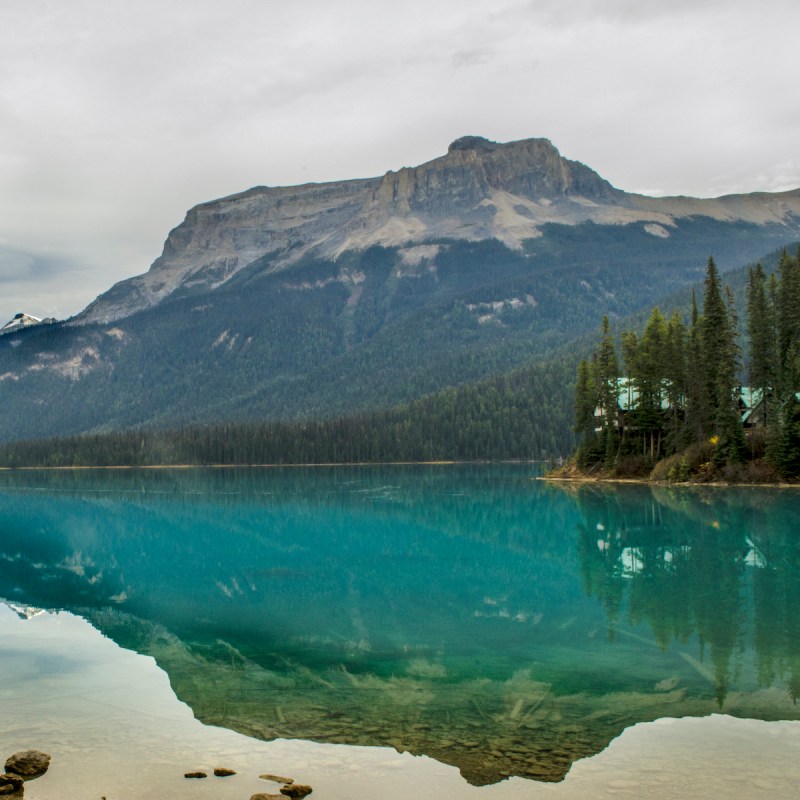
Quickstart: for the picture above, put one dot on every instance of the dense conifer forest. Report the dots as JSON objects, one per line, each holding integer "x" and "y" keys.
{"x": 524, "y": 414}
{"x": 673, "y": 385}
{"x": 363, "y": 333}
{"x": 678, "y": 399}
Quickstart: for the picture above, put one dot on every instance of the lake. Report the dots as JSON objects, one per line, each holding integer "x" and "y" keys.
{"x": 467, "y": 627}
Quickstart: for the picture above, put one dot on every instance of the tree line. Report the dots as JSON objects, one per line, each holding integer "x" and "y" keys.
{"x": 677, "y": 391}
{"x": 523, "y": 414}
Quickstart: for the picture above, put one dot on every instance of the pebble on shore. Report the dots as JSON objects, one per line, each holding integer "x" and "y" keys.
{"x": 290, "y": 789}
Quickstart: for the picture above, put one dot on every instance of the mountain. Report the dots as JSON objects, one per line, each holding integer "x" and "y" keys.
{"x": 479, "y": 190}
{"x": 319, "y": 300}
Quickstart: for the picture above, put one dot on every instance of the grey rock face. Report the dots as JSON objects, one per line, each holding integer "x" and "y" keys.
{"x": 478, "y": 190}
{"x": 472, "y": 143}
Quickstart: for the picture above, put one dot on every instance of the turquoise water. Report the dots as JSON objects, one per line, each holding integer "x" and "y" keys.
{"x": 473, "y": 614}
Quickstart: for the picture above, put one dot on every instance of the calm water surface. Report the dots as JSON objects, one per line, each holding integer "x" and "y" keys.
{"x": 471, "y": 614}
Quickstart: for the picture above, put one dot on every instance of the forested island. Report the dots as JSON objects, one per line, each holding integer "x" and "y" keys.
{"x": 675, "y": 406}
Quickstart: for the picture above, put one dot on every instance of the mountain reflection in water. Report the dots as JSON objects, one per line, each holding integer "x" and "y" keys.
{"x": 492, "y": 622}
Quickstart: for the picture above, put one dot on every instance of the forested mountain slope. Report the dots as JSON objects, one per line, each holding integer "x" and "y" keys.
{"x": 324, "y": 333}
{"x": 478, "y": 190}
{"x": 521, "y": 414}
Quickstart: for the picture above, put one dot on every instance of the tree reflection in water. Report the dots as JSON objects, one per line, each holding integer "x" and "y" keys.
{"x": 457, "y": 612}
{"x": 721, "y": 564}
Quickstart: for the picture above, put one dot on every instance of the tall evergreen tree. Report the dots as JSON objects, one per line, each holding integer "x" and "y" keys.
{"x": 606, "y": 374}
{"x": 727, "y": 418}
{"x": 774, "y": 405}
{"x": 585, "y": 404}
{"x": 783, "y": 441}
{"x": 648, "y": 375}
{"x": 696, "y": 399}
{"x": 676, "y": 387}
{"x": 788, "y": 314}
{"x": 714, "y": 332}
{"x": 720, "y": 353}
{"x": 762, "y": 337}
{"x": 788, "y": 461}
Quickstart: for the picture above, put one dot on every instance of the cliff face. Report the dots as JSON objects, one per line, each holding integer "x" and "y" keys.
{"x": 474, "y": 169}
{"x": 219, "y": 238}
{"x": 478, "y": 190}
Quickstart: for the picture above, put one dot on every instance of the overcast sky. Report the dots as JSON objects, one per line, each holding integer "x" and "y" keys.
{"x": 116, "y": 118}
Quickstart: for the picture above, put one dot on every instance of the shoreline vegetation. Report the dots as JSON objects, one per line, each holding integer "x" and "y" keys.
{"x": 756, "y": 476}
{"x": 675, "y": 407}
{"x": 519, "y": 415}
{"x": 299, "y": 465}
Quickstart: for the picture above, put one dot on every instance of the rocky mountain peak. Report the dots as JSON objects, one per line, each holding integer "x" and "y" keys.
{"x": 475, "y": 171}
{"x": 479, "y": 189}
{"x": 472, "y": 143}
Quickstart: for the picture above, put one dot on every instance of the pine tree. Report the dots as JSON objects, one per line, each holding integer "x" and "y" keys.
{"x": 606, "y": 374}
{"x": 788, "y": 314}
{"x": 783, "y": 441}
{"x": 585, "y": 404}
{"x": 696, "y": 400}
{"x": 676, "y": 388}
{"x": 774, "y": 406}
{"x": 714, "y": 327}
{"x": 762, "y": 337}
{"x": 789, "y": 460}
{"x": 727, "y": 419}
{"x": 720, "y": 353}
{"x": 648, "y": 376}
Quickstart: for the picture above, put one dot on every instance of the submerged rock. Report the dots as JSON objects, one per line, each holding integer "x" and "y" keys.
{"x": 28, "y": 764}
{"x": 276, "y": 778}
{"x": 9, "y": 784}
{"x": 296, "y": 790}
{"x": 195, "y": 775}
{"x": 262, "y": 796}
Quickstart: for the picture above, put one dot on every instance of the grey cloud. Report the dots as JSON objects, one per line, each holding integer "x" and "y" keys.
{"x": 781, "y": 177}
{"x": 471, "y": 58}
{"x": 44, "y": 285}
{"x": 19, "y": 266}
{"x": 569, "y": 13}
{"x": 116, "y": 117}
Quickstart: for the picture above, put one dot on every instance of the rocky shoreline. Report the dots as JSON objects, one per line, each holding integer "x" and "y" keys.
{"x": 289, "y": 788}
{"x": 27, "y": 765}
